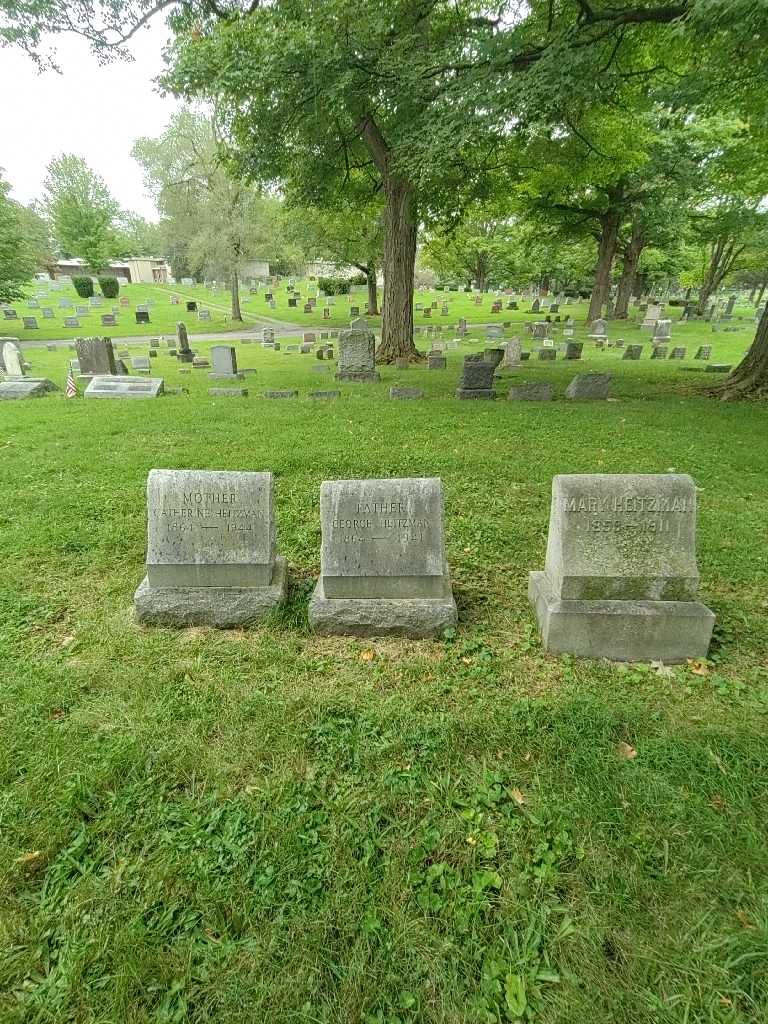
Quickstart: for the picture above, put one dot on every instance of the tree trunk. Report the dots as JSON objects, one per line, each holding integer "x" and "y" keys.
{"x": 373, "y": 293}
{"x": 609, "y": 235}
{"x": 399, "y": 263}
{"x": 750, "y": 378}
{"x": 399, "y": 250}
{"x": 544, "y": 284}
{"x": 763, "y": 286}
{"x": 632, "y": 252}
{"x": 236, "y": 314}
{"x": 724, "y": 255}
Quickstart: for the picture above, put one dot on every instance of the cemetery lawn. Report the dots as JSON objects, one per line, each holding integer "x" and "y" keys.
{"x": 262, "y": 825}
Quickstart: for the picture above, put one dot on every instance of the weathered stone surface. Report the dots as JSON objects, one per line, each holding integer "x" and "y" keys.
{"x": 357, "y": 348}
{"x": 659, "y": 352}
{"x": 13, "y": 360}
{"x": 547, "y": 354}
{"x": 532, "y": 392}
{"x": 29, "y": 387}
{"x": 574, "y": 349}
{"x": 324, "y": 394}
{"x": 221, "y": 607}
{"x": 633, "y": 352}
{"x": 677, "y": 353}
{"x": 95, "y": 355}
{"x": 435, "y": 362}
{"x": 405, "y": 393}
{"x": 112, "y": 386}
{"x": 224, "y": 362}
{"x": 383, "y": 565}
{"x": 210, "y": 528}
{"x": 620, "y": 578}
{"x": 512, "y": 351}
{"x": 493, "y": 356}
{"x": 476, "y": 378}
{"x": 589, "y": 386}
{"x": 228, "y": 392}
{"x": 288, "y": 393}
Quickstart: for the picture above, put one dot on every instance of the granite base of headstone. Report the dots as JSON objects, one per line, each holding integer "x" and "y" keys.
{"x": 383, "y": 570}
{"x": 620, "y": 577}
{"x": 211, "y": 550}
{"x": 26, "y": 387}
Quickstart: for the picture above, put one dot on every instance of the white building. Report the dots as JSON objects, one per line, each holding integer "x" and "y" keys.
{"x": 139, "y": 270}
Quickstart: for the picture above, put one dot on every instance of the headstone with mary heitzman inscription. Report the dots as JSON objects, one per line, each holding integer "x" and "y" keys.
{"x": 383, "y": 570}
{"x": 620, "y": 578}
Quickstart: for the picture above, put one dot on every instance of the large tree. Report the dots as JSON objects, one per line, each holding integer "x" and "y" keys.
{"x": 81, "y": 211}
{"x": 17, "y": 261}
{"x": 223, "y": 221}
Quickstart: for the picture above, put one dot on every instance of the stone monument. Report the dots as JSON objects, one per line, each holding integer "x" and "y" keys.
{"x": 620, "y": 578}
{"x": 13, "y": 359}
{"x": 383, "y": 570}
{"x": 95, "y": 355}
{"x": 357, "y": 347}
{"x": 211, "y": 549}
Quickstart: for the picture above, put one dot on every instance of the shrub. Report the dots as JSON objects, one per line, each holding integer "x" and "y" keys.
{"x": 83, "y": 286}
{"x": 333, "y": 285}
{"x": 110, "y": 287}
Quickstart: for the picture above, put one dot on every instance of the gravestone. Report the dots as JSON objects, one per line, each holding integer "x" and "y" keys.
{"x": 211, "y": 549}
{"x": 493, "y": 355}
{"x": 108, "y": 320}
{"x": 112, "y": 386}
{"x": 493, "y": 333}
{"x": 120, "y": 368}
{"x": 192, "y": 307}
{"x": 204, "y": 314}
{"x": 48, "y": 313}
{"x": 82, "y": 310}
{"x": 30, "y": 323}
{"x": 405, "y": 393}
{"x": 29, "y": 387}
{"x": 662, "y": 330}
{"x": 703, "y": 352}
{"x": 141, "y": 363}
{"x": 13, "y": 361}
{"x": 224, "y": 362}
{"x": 228, "y": 392}
{"x": 142, "y": 316}
{"x": 574, "y": 349}
{"x": 95, "y": 355}
{"x": 10, "y": 314}
{"x": 476, "y": 379}
{"x": 536, "y": 391}
{"x": 383, "y": 570}
{"x": 357, "y": 348}
{"x": 185, "y": 354}
{"x": 287, "y": 393}
{"x": 652, "y": 314}
{"x": 633, "y": 352}
{"x": 677, "y": 353}
{"x": 599, "y": 329}
{"x": 541, "y": 330}
{"x": 324, "y": 394}
{"x": 535, "y": 306}
{"x": 589, "y": 387}
{"x": 620, "y": 578}
{"x": 436, "y": 362}
{"x": 547, "y": 354}
{"x": 511, "y": 354}
{"x": 659, "y": 352}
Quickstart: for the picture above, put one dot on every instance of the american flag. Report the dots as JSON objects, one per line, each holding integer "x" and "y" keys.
{"x": 70, "y": 390}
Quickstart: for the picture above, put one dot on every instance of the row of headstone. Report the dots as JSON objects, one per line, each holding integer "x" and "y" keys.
{"x": 620, "y": 577}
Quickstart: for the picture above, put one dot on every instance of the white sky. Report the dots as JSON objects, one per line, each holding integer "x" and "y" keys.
{"x": 95, "y": 112}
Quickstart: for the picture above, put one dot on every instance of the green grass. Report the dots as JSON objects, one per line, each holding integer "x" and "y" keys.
{"x": 264, "y": 825}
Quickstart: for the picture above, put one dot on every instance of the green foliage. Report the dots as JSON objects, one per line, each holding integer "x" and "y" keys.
{"x": 17, "y": 258}
{"x": 110, "y": 287}
{"x": 81, "y": 211}
{"x": 83, "y": 286}
{"x": 334, "y": 285}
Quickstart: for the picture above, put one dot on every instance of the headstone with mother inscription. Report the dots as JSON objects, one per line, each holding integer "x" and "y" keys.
{"x": 383, "y": 570}
{"x": 211, "y": 549}
{"x": 620, "y": 578}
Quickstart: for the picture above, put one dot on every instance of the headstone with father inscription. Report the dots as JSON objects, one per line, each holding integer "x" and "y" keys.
{"x": 620, "y": 578}
{"x": 211, "y": 549}
{"x": 383, "y": 570}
